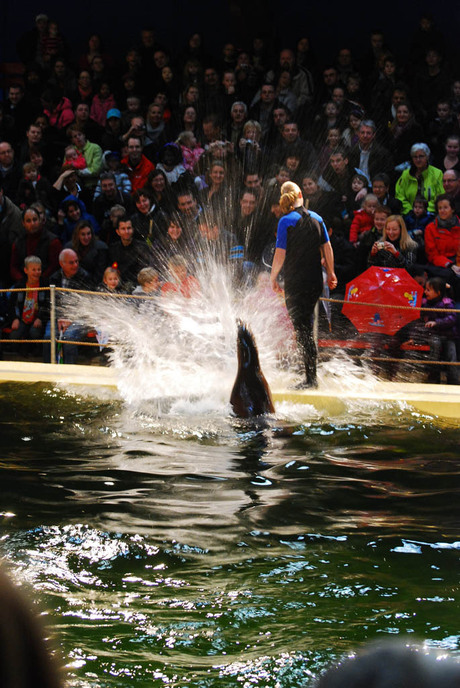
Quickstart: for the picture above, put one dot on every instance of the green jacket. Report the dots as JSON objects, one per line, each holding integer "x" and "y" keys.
{"x": 407, "y": 188}
{"x": 93, "y": 156}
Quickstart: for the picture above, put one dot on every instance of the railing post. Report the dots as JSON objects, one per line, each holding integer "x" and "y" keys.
{"x": 53, "y": 322}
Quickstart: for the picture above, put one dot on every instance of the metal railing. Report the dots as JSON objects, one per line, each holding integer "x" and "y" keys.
{"x": 53, "y": 340}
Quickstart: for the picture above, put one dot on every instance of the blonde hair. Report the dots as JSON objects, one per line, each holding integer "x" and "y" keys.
{"x": 369, "y": 197}
{"x": 110, "y": 271}
{"x": 183, "y": 137}
{"x": 291, "y": 197}
{"x": 252, "y": 123}
{"x": 405, "y": 242}
{"x": 177, "y": 261}
{"x": 146, "y": 275}
{"x": 29, "y": 167}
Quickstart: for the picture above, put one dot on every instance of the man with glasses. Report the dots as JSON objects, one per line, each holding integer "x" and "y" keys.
{"x": 451, "y": 184}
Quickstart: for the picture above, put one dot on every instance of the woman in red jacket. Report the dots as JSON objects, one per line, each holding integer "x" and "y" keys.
{"x": 442, "y": 237}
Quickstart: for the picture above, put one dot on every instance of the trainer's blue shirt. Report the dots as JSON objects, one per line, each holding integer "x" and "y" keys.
{"x": 290, "y": 220}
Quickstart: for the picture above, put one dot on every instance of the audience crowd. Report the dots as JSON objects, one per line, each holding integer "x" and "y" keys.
{"x": 111, "y": 165}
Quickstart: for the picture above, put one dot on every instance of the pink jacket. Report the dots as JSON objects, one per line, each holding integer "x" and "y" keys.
{"x": 191, "y": 156}
{"x": 62, "y": 116}
{"x": 100, "y": 108}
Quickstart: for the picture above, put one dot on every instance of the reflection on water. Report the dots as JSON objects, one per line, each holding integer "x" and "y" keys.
{"x": 187, "y": 547}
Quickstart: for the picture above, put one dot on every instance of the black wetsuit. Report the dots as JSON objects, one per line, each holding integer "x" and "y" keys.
{"x": 302, "y": 235}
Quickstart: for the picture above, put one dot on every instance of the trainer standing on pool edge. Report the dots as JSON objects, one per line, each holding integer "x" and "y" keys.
{"x": 301, "y": 242}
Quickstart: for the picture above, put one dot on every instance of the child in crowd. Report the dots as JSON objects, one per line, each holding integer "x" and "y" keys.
{"x": 37, "y": 158}
{"x": 381, "y": 214}
{"x": 363, "y": 219}
{"x": 359, "y": 186}
{"x": 109, "y": 226}
{"x": 182, "y": 282}
{"x": 111, "y": 281}
{"x": 171, "y": 163}
{"x": 133, "y": 106}
{"x": 440, "y": 329}
{"x": 281, "y": 175}
{"x": 29, "y": 310}
{"x": 111, "y": 284}
{"x": 27, "y": 186}
{"x": 191, "y": 150}
{"x": 148, "y": 283}
{"x": 418, "y": 218}
{"x": 333, "y": 139}
{"x": 416, "y": 221}
{"x": 30, "y": 171}
{"x": 33, "y": 187}
{"x": 103, "y": 101}
{"x": 73, "y": 159}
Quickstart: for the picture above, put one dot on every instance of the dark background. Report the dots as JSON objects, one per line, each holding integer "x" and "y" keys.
{"x": 329, "y": 25}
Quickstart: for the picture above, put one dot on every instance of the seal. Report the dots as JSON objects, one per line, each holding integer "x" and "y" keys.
{"x": 251, "y": 394}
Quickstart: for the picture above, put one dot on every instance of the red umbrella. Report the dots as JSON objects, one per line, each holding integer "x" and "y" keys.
{"x": 393, "y": 286}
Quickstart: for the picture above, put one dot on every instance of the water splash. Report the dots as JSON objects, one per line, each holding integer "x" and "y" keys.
{"x": 173, "y": 348}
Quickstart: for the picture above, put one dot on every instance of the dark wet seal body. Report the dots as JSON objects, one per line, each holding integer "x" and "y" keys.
{"x": 251, "y": 395}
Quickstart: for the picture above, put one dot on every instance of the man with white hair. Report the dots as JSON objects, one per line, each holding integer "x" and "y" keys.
{"x": 69, "y": 276}
{"x": 238, "y": 117}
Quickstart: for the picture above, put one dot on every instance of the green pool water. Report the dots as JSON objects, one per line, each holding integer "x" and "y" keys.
{"x": 187, "y": 549}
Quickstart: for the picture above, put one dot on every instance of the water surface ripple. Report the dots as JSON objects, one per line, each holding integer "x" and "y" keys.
{"x": 188, "y": 549}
